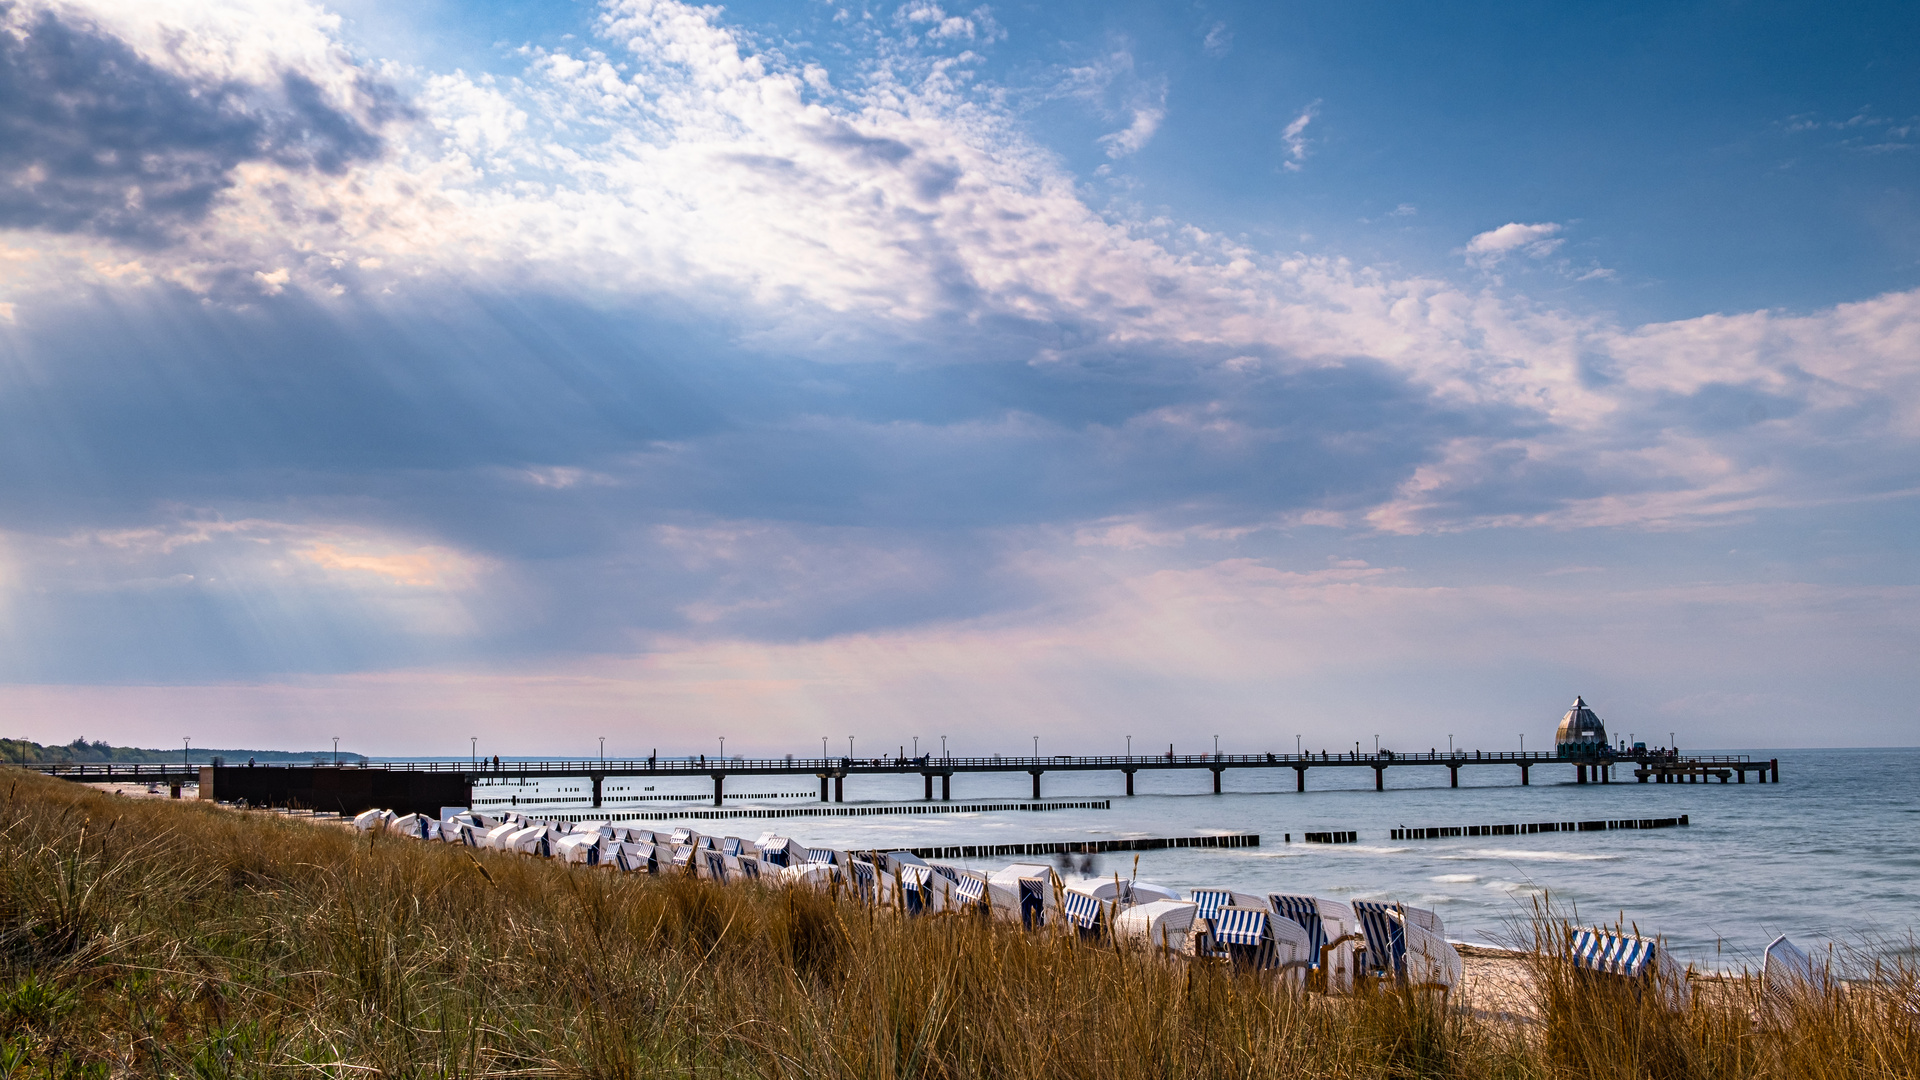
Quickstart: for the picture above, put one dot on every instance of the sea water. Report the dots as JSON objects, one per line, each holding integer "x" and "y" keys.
{"x": 1830, "y": 854}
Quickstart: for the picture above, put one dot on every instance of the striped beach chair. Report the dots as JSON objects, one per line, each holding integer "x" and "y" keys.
{"x": 1386, "y": 949}
{"x": 823, "y": 855}
{"x": 1239, "y": 936}
{"x": 1612, "y": 952}
{"x": 864, "y": 880}
{"x": 1210, "y": 901}
{"x": 1304, "y": 911}
{"x": 1083, "y": 910}
{"x": 1033, "y": 901}
{"x": 970, "y": 889}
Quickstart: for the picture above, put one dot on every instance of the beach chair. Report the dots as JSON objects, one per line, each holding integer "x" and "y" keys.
{"x": 713, "y": 866}
{"x": 1790, "y": 975}
{"x": 1085, "y": 911}
{"x": 1210, "y": 901}
{"x": 969, "y": 888}
{"x": 1403, "y": 949}
{"x": 1161, "y": 924}
{"x": 1612, "y": 952}
{"x": 864, "y": 878}
{"x": 1333, "y": 937}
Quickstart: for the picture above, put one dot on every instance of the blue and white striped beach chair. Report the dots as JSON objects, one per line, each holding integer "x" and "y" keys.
{"x": 864, "y": 879}
{"x": 1210, "y": 901}
{"x": 1084, "y": 911}
{"x": 1033, "y": 901}
{"x": 1305, "y": 911}
{"x": 1615, "y": 953}
{"x": 1386, "y": 951}
{"x": 1239, "y": 935}
{"x": 715, "y": 865}
{"x": 823, "y": 855}
{"x": 971, "y": 889}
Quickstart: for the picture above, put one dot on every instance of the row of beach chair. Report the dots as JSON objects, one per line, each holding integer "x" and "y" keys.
{"x": 1328, "y": 944}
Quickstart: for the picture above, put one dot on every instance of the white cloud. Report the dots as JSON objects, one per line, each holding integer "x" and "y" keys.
{"x": 1146, "y": 121}
{"x": 1219, "y": 39}
{"x": 1295, "y": 137}
{"x": 1536, "y": 241}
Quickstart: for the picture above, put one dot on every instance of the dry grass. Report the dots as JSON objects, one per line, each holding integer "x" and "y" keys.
{"x": 161, "y": 939}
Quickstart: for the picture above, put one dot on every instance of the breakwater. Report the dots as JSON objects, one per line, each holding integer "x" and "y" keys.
{"x": 1085, "y": 847}
{"x": 832, "y": 811}
{"x": 1537, "y": 827}
{"x": 1330, "y": 837}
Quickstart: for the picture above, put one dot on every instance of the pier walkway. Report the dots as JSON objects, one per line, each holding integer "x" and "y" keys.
{"x": 433, "y": 784}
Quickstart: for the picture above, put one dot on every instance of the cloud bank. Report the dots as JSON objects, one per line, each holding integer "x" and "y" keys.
{"x": 669, "y": 347}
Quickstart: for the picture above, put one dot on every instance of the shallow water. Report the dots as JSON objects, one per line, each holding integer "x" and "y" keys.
{"x": 1832, "y": 852}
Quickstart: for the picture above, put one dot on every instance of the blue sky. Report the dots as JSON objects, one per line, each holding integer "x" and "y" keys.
{"x": 548, "y": 371}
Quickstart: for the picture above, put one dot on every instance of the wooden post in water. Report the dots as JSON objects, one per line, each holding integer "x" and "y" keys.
{"x": 1299, "y": 778}
{"x": 946, "y": 787}
{"x": 840, "y": 788}
{"x": 1379, "y": 778}
{"x": 718, "y": 780}
{"x": 1454, "y": 778}
{"x": 1036, "y": 782}
{"x": 1524, "y": 766}
{"x": 825, "y": 795}
{"x": 1129, "y": 773}
{"x": 1216, "y": 780}
{"x": 929, "y": 779}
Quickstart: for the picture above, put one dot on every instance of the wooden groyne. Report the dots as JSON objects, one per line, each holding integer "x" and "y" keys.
{"x": 1331, "y": 837}
{"x": 1445, "y": 832}
{"x": 1086, "y": 847}
{"x": 829, "y": 811}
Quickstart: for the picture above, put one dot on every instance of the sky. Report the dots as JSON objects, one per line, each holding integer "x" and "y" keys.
{"x": 1292, "y": 374}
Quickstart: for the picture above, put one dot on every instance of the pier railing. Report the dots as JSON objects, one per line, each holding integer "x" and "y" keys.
{"x": 929, "y": 763}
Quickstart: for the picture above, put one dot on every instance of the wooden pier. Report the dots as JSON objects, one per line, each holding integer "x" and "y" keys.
{"x": 429, "y": 785}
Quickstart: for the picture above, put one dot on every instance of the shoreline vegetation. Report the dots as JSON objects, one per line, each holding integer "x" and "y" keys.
{"x": 159, "y": 938}
{"x": 79, "y": 751}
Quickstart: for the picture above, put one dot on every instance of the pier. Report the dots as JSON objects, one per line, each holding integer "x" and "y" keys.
{"x": 426, "y": 786}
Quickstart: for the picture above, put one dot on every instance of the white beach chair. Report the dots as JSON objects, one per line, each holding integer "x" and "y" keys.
{"x": 1160, "y": 924}
{"x": 1790, "y": 975}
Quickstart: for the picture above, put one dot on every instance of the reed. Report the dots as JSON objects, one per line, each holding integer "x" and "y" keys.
{"x": 150, "y": 938}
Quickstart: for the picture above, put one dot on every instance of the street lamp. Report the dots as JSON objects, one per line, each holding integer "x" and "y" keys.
{"x": 823, "y": 748}
{"x": 723, "y": 747}
{"x": 1449, "y": 746}
{"x": 1129, "y": 746}
{"x": 603, "y": 749}
{"x": 186, "y": 744}
{"x": 473, "y": 751}
{"x": 1296, "y": 746}
{"x": 1216, "y": 746}
{"x": 849, "y": 746}
{"x": 1036, "y": 746}
{"x": 916, "y": 746}
{"x": 1523, "y": 742}
{"x": 336, "y": 751}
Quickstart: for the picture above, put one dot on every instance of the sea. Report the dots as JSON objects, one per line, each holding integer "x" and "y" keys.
{"x": 1830, "y": 856}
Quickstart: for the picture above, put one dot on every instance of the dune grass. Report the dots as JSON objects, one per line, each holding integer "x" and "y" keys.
{"x": 150, "y": 938}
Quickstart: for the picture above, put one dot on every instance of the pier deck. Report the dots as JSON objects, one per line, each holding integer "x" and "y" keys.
{"x": 432, "y": 784}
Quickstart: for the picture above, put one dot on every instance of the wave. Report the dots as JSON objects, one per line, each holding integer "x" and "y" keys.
{"x": 1518, "y": 855}
{"x": 1456, "y": 879}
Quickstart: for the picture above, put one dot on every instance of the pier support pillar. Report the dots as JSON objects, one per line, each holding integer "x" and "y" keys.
{"x": 1129, "y": 773}
{"x": 1743, "y": 776}
{"x": 839, "y": 789}
{"x": 1454, "y": 776}
{"x": 1216, "y": 780}
{"x": 1036, "y": 782}
{"x": 1524, "y": 782}
{"x": 1579, "y": 774}
{"x": 1776, "y": 771}
{"x": 1379, "y": 778}
{"x": 719, "y": 783}
{"x": 946, "y": 787}
{"x": 1299, "y": 778}
{"x": 929, "y": 779}
{"x": 825, "y": 795}
{"x": 597, "y": 778}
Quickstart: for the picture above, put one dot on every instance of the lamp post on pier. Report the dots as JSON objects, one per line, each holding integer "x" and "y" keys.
{"x": 336, "y": 751}
{"x": 473, "y": 752}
